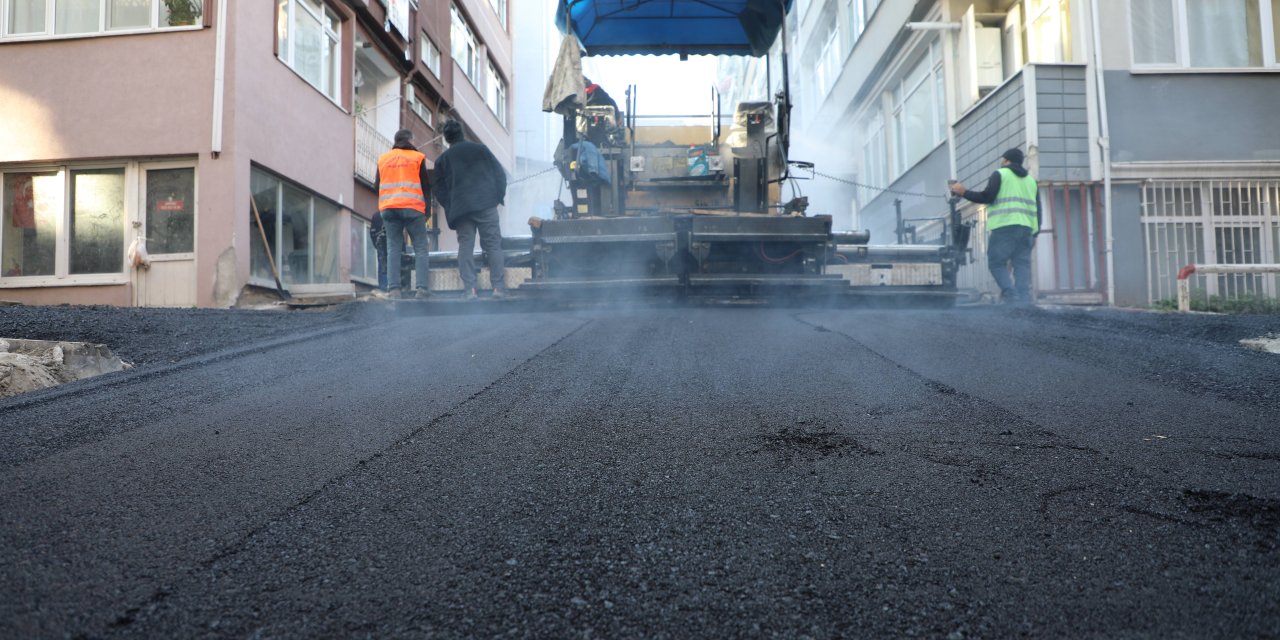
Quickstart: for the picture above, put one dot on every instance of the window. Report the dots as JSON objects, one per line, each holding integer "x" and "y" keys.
{"x": 918, "y": 112}
{"x": 430, "y": 54}
{"x": 64, "y": 221}
{"x": 500, "y": 7}
{"x": 496, "y": 94}
{"x": 308, "y": 39}
{"x": 875, "y": 157}
{"x": 420, "y": 108}
{"x": 171, "y": 198}
{"x": 828, "y": 67}
{"x": 364, "y": 257}
{"x": 1204, "y": 34}
{"x": 302, "y": 231}
{"x": 1048, "y": 29}
{"x": 466, "y": 51}
{"x": 34, "y": 18}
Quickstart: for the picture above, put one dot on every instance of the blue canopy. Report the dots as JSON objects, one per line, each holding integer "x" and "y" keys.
{"x": 690, "y": 27}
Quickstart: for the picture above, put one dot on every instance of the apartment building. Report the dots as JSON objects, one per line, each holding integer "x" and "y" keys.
{"x": 1149, "y": 124}
{"x": 186, "y": 122}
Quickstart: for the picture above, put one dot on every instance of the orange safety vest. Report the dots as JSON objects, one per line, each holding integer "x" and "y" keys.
{"x": 399, "y": 180}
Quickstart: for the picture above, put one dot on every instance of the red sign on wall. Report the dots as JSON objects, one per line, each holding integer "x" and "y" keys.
{"x": 171, "y": 205}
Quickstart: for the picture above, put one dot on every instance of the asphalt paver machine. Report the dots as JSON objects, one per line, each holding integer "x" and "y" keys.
{"x": 696, "y": 210}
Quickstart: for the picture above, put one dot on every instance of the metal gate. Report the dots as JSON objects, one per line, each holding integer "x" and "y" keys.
{"x": 1210, "y": 222}
{"x": 1071, "y": 252}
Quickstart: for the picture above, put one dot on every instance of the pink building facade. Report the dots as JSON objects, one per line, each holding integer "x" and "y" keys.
{"x": 142, "y": 141}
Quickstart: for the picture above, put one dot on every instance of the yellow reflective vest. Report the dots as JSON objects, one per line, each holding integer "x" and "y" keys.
{"x": 1015, "y": 204}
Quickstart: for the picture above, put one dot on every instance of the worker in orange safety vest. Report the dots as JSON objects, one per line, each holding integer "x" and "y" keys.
{"x": 403, "y": 191}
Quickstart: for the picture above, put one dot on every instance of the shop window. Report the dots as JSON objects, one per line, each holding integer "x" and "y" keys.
{"x": 32, "y": 207}
{"x": 364, "y": 257}
{"x": 97, "y": 221}
{"x": 302, "y": 232}
{"x": 84, "y": 206}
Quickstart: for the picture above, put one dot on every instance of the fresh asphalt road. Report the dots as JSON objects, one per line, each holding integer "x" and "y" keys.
{"x": 679, "y": 473}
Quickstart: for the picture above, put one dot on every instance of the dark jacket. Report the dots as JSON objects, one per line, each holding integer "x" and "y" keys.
{"x": 988, "y": 195}
{"x": 467, "y": 179}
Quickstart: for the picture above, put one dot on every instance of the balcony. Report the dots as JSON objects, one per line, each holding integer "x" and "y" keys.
{"x": 369, "y": 145}
{"x": 1042, "y": 109}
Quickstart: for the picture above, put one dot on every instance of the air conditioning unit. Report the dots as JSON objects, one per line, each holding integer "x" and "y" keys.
{"x": 990, "y": 59}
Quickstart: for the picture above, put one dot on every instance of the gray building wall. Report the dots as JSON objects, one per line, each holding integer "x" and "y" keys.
{"x": 1129, "y": 252}
{"x": 1188, "y": 117}
{"x": 982, "y": 134}
{"x": 1062, "y": 116}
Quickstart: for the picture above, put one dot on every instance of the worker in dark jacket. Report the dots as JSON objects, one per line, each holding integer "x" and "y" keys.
{"x": 1013, "y": 220}
{"x": 470, "y": 183}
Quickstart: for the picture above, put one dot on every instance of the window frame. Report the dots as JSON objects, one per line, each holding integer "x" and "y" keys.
{"x": 103, "y": 29}
{"x": 900, "y": 95}
{"x": 430, "y": 54}
{"x": 62, "y": 276}
{"x": 283, "y": 183}
{"x": 420, "y": 108}
{"x": 458, "y": 21}
{"x": 369, "y": 253}
{"x": 1270, "y": 42}
{"x": 143, "y": 168}
{"x": 331, "y": 55}
{"x": 501, "y": 9}
{"x": 495, "y": 93}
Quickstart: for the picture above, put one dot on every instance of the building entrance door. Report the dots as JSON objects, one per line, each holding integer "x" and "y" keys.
{"x": 168, "y": 224}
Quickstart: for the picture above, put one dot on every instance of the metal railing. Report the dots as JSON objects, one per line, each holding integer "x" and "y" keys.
{"x": 1185, "y": 274}
{"x": 1230, "y": 227}
{"x": 369, "y": 145}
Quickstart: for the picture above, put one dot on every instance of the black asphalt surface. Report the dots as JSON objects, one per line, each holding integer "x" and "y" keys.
{"x": 649, "y": 472}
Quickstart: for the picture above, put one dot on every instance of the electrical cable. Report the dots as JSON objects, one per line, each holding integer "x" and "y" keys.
{"x": 912, "y": 194}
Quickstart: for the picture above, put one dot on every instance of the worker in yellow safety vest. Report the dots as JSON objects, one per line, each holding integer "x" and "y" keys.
{"x": 403, "y": 191}
{"x": 1013, "y": 220}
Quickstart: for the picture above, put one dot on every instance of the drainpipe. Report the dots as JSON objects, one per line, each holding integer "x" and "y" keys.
{"x": 1104, "y": 141}
{"x": 219, "y": 74}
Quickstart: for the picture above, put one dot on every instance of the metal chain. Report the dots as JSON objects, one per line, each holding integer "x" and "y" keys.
{"x": 881, "y": 189}
{"x": 531, "y": 176}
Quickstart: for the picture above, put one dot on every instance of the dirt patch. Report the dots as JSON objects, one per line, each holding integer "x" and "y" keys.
{"x": 28, "y": 365}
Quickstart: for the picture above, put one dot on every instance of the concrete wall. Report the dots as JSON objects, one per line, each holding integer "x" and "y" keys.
{"x": 1062, "y": 123}
{"x": 996, "y": 123}
{"x": 1194, "y": 117}
{"x": 80, "y": 98}
{"x": 1130, "y": 245}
